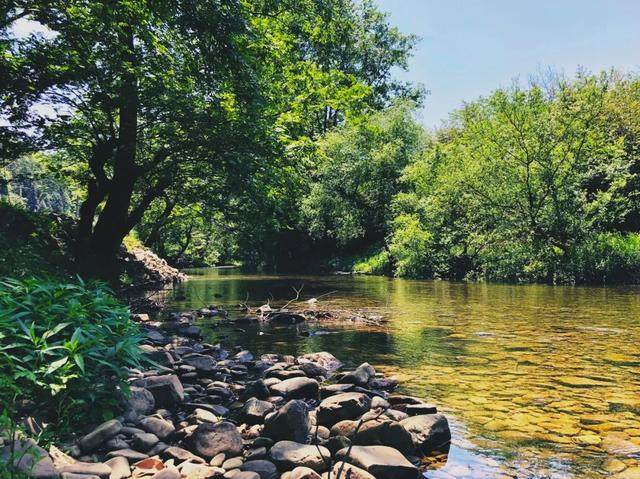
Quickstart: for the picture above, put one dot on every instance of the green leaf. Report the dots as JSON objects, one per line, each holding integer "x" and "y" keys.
{"x": 54, "y": 366}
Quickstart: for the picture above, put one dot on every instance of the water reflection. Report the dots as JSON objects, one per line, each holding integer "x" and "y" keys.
{"x": 540, "y": 381}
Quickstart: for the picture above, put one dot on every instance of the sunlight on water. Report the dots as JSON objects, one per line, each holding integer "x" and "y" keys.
{"x": 539, "y": 381}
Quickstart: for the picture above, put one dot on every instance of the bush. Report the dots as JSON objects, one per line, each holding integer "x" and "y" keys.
{"x": 376, "y": 263}
{"x": 412, "y": 247}
{"x": 64, "y": 348}
{"x": 608, "y": 258}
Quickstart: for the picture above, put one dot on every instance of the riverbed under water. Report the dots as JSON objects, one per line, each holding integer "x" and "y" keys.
{"x": 537, "y": 381}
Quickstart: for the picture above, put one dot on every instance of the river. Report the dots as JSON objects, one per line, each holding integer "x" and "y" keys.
{"x": 537, "y": 381}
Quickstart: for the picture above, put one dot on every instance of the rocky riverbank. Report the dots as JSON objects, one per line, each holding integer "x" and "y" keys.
{"x": 204, "y": 411}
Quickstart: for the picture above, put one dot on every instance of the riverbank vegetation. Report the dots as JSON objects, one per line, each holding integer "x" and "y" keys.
{"x": 278, "y": 137}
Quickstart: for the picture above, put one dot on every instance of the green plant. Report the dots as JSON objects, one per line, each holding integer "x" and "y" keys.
{"x": 65, "y": 347}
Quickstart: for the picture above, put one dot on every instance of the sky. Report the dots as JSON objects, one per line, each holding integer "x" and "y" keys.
{"x": 470, "y": 47}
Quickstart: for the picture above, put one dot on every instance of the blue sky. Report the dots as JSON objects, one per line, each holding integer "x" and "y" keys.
{"x": 470, "y": 47}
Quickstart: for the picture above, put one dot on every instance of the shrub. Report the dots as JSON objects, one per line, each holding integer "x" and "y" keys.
{"x": 376, "y": 263}
{"x": 64, "y": 347}
{"x": 608, "y": 258}
{"x": 412, "y": 247}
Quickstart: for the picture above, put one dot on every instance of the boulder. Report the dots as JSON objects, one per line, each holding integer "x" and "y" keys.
{"x": 429, "y": 432}
{"x": 140, "y": 401}
{"x": 304, "y": 473}
{"x": 255, "y": 410}
{"x": 257, "y": 389}
{"x": 360, "y": 376}
{"x": 102, "y": 433}
{"x": 200, "y": 471}
{"x": 288, "y": 454}
{"x": 119, "y": 467}
{"x": 167, "y": 389}
{"x": 323, "y": 359}
{"x": 297, "y": 388}
{"x": 265, "y": 469}
{"x": 202, "y": 362}
{"x": 383, "y": 432}
{"x": 382, "y": 462}
{"x": 209, "y": 440}
{"x": 344, "y": 470}
{"x": 144, "y": 441}
{"x": 290, "y": 422}
{"x": 160, "y": 427}
{"x": 29, "y": 458}
{"x": 87, "y": 468}
{"x": 342, "y": 406}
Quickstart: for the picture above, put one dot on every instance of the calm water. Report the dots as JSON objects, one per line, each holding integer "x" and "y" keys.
{"x": 538, "y": 381}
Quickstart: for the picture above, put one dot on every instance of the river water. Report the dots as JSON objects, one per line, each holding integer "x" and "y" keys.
{"x": 537, "y": 381}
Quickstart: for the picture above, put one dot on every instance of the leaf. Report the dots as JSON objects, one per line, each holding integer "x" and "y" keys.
{"x": 79, "y": 360}
{"x": 56, "y": 365}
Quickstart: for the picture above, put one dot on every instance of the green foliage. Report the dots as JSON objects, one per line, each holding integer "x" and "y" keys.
{"x": 33, "y": 244}
{"x": 358, "y": 175}
{"x": 520, "y": 183}
{"x": 376, "y": 263}
{"x": 65, "y": 347}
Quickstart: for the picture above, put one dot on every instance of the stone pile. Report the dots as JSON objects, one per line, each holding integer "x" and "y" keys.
{"x": 214, "y": 413}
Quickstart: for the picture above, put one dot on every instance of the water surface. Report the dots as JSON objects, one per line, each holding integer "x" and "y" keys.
{"x": 537, "y": 381}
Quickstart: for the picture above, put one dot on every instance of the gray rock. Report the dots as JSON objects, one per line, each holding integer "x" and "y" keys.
{"x": 129, "y": 454}
{"x": 343, "y": 470}
{"x": 202, "y": 362}
{"x": 255, "y": 410}
{"x": 264, "y": 469}
{"x": 89, "y": 468}
{"x": 167, "y": 389}
{"x": 245, "y": 475}
{"x": 211, "y": 439}
{"x": 102, "y": 433}
{"x": 429, "y": 432}
{"x": 174, "y": 452}
{"x": 381, "y": 461}
{"x": 119, "y": 467}
{"x": 304, "y": 473}
{"x": 288, "y": 455}
{"x": 140, "y": 401}
{"x": 342, "y": 406}
{"x": 290, "y": 422}
{"x": 144, "y": 441}
{"x": 160, "y": 427}
{"x": 29, "y": 458}
{"x": 384, "y": 432}
{"x": 323, "y": 359}
{"x": 233, "y": 463}
{"x": 360, "y": 376}
{"x": 297, "y": 388}
{"x": 168, "y": 473}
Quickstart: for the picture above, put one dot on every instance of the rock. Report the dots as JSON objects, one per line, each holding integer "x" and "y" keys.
{"x": 29, "y": 458}
{"x": 304, "y": 473}
{"x": 244, "y": 356}
{"x": 119, "y": 467}
{"x": 88, "y": 468}
{"x": 286, "y": 318}
{"x": 342, "y": 406}
{"x": 233, "y": 463}
{"x": 384, "y": 432}
{"x": 182, "y": 455}
{"x": 202, "y": 362}
{"x": 200, "y": 471}
{"x": 217, "y": 460}
{"x": 290, "y": 422}
{"x": 297, "y": 388}
{"x": 420, "y": 409}
{"x": 381, "y": 461}
{"x": 255, "y": 410}
{"x": 288, "y": 455}
{"x": 129, "y": 454}
{"x": 335, "y": 443}
{"x": 167, "y": 390}
{"x": 144, "y": 441}
{"x": 245, "y": 475}
{"x": 331, "y": 389}
{"x": 312, "y": 370}
{"x": 323, "y": 359}
{"x": 211, "y": 439}
{"x": 430, "y": 432}
{"x": 264, "y": 469}
{"x": 200, "y": 415}
{"x": 140, "y": 317}
{"x": 360, "y": 376}
{"x": 140, "y": 401}
{"x": 257, "y": 389}
{"x": 160, "y": 427}
{"x": 71, "y": 475}
{"x": 343, "y": 470}
{"x": 102, "y": 433}
{"x": 169, "y": 473}
{"x": 379, "y": 403}
{"x": 256, "y": 453}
